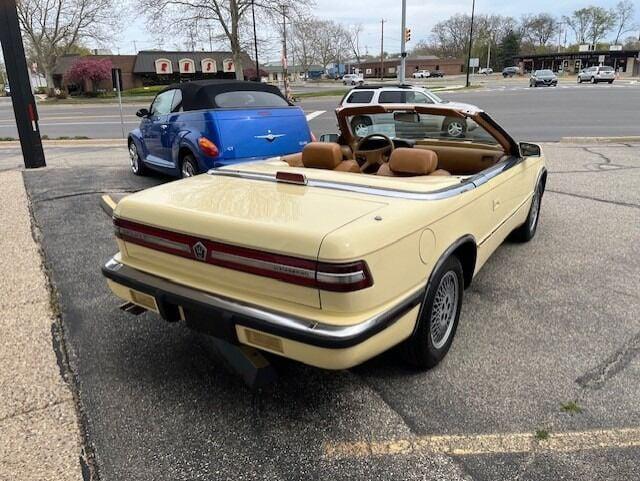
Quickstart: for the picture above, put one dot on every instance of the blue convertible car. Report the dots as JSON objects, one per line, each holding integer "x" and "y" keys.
{"x": 194, "y": 126}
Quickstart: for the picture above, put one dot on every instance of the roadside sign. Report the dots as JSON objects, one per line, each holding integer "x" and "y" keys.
{"x": 474, "y": 62}
{"x": 186, "y": 65}
{"x": 208, "y": 65}
{"x": 601, "y": 58}
{"x": 163, "y": 66}
{"x": 615, "y": 47}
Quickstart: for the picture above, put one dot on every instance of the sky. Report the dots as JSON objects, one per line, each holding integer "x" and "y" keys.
{"x": 421, "y": 16}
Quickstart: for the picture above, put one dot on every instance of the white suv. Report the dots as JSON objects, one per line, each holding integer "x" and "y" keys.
{"x": 399, "y": 94}
{"x": 352, "y": 79}
{"x": 597, "y": 74}
{"x": 395, "y": 94}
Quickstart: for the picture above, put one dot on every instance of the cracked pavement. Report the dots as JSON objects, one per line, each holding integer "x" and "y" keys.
{"x": 544, "y": 324}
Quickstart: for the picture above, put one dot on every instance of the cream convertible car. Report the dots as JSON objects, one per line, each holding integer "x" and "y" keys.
{"x": 337, "y": 254}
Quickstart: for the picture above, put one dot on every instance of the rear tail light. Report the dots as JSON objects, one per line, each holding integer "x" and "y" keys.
{"x": 207, "y": 147}
{"x": 328, "y": 276}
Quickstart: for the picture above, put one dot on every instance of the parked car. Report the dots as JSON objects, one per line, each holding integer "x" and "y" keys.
{"x": 543, "y": 77}
{"x": 421, "y": 74}
{"x": 192, "y": 127}
{"x": 312, "y": 258}
{"x": 399, "y": 94}
{"x": 510, "y": 71}
{"x": 597, "y": 74}
{"x": 437, "y": 73}
{"x": 352, "y": 79}
{"x": 485, "y": 71}
{"x": 7, "y": 89}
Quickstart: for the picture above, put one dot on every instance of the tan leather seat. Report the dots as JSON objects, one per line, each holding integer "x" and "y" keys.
{"x": 327, "y": 155}
{"x": 405, "y": 162}
{"x": 294, "y": 160}
{"x": 347, "y": 153}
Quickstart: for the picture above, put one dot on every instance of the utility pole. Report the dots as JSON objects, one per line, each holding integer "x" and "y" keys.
{"x": 24, "y": 105}
{"x": 382, "y": 50}
{"x": 403, "y": 42}
{"x": 255, "y": 39}
{"x": 285, "y": 67}
{"x": 489, "y": 54}
{"x": 135, "y": 47}
{"x": 473, "y": 9}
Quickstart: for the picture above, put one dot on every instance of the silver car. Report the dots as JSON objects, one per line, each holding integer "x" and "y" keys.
{"x": 595, "y": 74}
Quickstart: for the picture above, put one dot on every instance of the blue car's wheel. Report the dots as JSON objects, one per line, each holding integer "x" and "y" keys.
{"x": 188, "y": 167}
{"x": 137, "y": 166}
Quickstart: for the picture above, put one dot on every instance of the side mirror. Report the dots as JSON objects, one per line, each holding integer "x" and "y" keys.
{"x": 329, "y": 138}
{"x": 529, "y": 150}
{"x": 142, "y": 113}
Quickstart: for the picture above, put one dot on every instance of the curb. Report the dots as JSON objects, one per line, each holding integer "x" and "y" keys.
{"x": 71, "y": 142}
{"x": 600, "y": 140}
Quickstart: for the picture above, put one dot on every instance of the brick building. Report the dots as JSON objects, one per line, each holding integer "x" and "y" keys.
{"x": 371, "y": 69}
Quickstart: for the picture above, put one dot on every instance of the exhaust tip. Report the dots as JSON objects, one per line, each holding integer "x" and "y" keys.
{"x": 132, "y": 308}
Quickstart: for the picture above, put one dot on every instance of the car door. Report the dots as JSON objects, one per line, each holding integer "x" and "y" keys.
{"x": 154, "y": 131}
{"x": 169, "y": 135}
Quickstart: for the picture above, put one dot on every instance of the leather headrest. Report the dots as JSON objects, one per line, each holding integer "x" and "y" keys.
{"x": 321, "y": 155}
{"x": 413, "y": 161}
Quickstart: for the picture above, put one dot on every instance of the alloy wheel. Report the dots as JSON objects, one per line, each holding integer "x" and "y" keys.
{"x": 455, "y": 129}
{"x": 187, "y": 170}
{"x": 133, "y": 158}
{"x": 535, "y": 210}
{"x": 444, "y": 310}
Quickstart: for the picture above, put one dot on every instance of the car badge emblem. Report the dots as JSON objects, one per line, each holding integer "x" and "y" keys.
{"x": 199, "y": 251}
{"x": 270, "y": 137}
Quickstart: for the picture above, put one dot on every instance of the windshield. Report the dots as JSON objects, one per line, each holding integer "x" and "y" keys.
{"x": 413, "y": 126}
{"x": 606, "y": 69}
{"x": 544, "y": 72}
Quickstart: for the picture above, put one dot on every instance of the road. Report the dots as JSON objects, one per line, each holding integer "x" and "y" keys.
{"x": 541, "y": 114}
{"x": 544, "y": 325}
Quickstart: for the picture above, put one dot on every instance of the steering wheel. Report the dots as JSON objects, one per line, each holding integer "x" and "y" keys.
{"x": 373, "y": 156}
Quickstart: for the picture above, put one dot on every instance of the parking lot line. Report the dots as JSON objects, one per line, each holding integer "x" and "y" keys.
{"x": 488, "y": 444}
{"x": 315, "y": 114}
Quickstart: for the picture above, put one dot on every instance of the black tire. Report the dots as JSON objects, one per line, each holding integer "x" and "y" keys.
{"x": 526, "y": 231}
{"x": 360, "y": 122}
{"x": 420, "y": 349}
{"x": 188, "y": 166}
{"x": 454, "y": 127}
{"x": 610, "y": 81}
{"x": 593, "y": 80}
{"x": 135, "y": 162}
{"x": 579, "y": 79}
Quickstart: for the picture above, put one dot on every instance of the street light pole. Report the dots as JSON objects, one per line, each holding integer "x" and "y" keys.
{"x": 403, "y": 42}
{"x": 255, "y": 40}
{"x": 473, "y": 9}
{"x": 285, "y": 72}
{"x": 382, "y": 50}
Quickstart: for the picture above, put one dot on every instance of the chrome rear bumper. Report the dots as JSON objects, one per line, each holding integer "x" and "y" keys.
{"x": 226, "y": 313}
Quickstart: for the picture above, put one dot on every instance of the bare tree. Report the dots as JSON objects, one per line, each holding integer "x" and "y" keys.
{"x": 602, "y": 21}
{"x": 580, "y": 22}
{"x": 302, "y": 38}
{"x": 53, "y": 28}
{"x": 538, "y": 29}
{"x": 591, "y": 24}
{"x": 230, "y": 16}
{"x": 624, "y": 12}
{"x": 353, "y": 40}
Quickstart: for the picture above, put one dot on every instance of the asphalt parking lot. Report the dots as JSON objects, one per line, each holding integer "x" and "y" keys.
{"x": 542, "y": 381}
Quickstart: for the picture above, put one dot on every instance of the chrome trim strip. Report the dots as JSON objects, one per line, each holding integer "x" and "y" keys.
{"x": 271, "y": 266}
{"x": 152, "y": 239}
{"x": 279, "y": 323}
{"x": 361, "y": 189}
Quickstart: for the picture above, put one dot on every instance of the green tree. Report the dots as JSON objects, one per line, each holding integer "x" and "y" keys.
{"x": 509, "y": 48}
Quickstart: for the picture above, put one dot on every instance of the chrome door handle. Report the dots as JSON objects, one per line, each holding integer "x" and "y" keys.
{"x": 164, "y": 126}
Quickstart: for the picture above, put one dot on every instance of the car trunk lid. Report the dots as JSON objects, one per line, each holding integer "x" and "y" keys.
{"x": 237, "y": 219}
{"x": 261, "y": 133}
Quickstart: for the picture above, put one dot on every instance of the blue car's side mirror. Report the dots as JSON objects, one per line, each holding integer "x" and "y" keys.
{"x": 142, "y": 113}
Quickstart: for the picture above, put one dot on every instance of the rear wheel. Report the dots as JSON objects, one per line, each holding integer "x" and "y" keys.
{"x": 439, "y": 316}
{"x": 360, "y": 125}
{"x": 526, "y": 231}
{"x": 610, "y": 81}
{"x": 579, "y": 79}
{"x": 136, "y": 163}
{"x": 593, "y": 80}
{"x": 188, "y": 166}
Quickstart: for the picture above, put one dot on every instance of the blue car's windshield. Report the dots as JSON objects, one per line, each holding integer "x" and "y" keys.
{"x": 249, "y": 99}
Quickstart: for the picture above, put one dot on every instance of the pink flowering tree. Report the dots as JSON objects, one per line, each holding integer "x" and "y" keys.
{"x": 86, "y": 69}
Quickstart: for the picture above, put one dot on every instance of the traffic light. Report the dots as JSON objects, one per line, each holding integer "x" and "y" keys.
{"x": 407, "y": 34}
